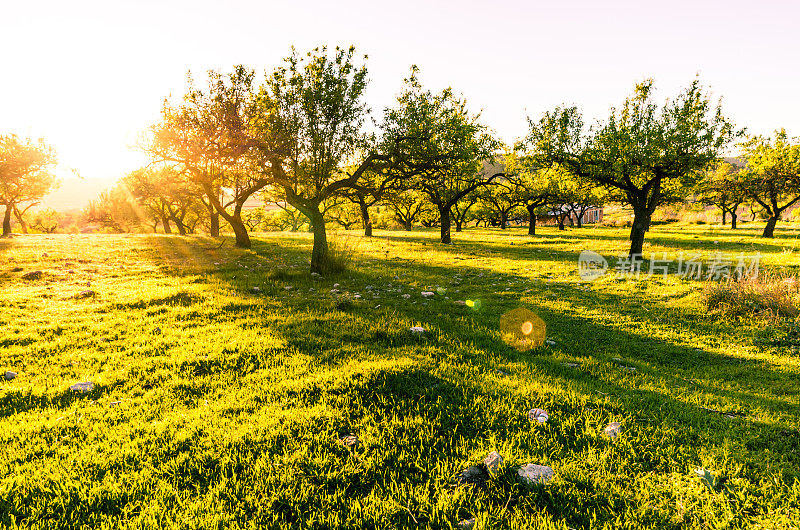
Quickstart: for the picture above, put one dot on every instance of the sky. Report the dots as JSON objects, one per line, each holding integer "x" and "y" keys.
{"x": 90, "y": 76}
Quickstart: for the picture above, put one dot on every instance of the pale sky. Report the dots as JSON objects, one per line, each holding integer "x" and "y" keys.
{"x": 89, "y": 76}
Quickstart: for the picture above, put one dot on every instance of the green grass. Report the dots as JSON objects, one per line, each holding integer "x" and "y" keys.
{"x": 231, "y": 401}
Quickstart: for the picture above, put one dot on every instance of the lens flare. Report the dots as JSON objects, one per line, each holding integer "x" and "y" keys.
{"x": 523, "y": 329}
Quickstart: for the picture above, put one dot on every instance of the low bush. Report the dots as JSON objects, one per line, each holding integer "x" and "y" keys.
{"x": 770, "y": 295}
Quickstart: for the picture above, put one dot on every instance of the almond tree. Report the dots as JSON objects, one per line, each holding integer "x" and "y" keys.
{"x": 208, "y": 137}
{"x": 722, "y": 186}
{"x": 407, "y": 206}
{"x": 643, "y": 154}
{"x": 167, "y": 193}
{"x": 533, "y": 187}
{"x": 25, "y": 176}
{"x": 441, "y": 132}
{"x": 772, "y": 175}
{"x": 309, "y": 132}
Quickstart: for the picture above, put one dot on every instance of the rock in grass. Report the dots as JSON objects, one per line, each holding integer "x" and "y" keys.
{"x": 426, "y": 294}
{"x": 535, "y": 474}
{"x": 9, "y": 375}
{"x": 33, "y": 275}
{"x": 550, "y": 342}
{"x": 417, "y": 329}
{"x": 82, "y": 387}
{"x": 493, "y": 461}
{"x": 538, "y": 415}
{"x": 612, "y": 430}
{"x": 466, "y": 524}
{"x": 571, "y": 365}
{"x": 256, "y": 289}
{"x": 349, "y": 440}
{"x": 84, "y": 294}
{"x": 472, "y": 476}
{"x": 17, "y": 269}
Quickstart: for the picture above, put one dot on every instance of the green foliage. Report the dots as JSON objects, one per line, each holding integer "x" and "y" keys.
{"x": 723, "y": 186}
{"x": 772, "y": 174}
{"x": 167, "y": 195}
{"x": 443, "y": 143}
{"x": 643, "y": 154}
{"x": 46, "y": 220}
{"x": 25, "y": 175}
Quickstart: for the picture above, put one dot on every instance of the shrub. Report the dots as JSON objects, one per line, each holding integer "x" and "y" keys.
{"x": 769, "y": 295}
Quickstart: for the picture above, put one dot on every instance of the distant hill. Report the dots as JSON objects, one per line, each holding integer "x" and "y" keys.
{"x": 76, "y": 193}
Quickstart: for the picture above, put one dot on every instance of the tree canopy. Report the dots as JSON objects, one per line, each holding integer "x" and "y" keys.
{"x": 644, "y": 154}
{"x": 25, "y": 175}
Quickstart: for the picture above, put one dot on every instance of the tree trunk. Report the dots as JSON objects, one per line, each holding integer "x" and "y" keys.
{"x": 213, "y": 224}
{"x": 503, "y": 220}
{"x": 580, "y": 222}
{"x": 459, "y": 223}
{"x": 641, "y": 223}
{"x": 165, "y": 224}
{"x": 407, "y": 226}
{"x": 240, "y": 231}
{"x": 733, "y": 220}
{"x": 531, "y": 221}
{"x": 365, "y": 218}
{"x": 181, "y": 227}
{"x": 561, "y": 222}
{"x": 7, "y": 221}
{"x": 319, "y": 254}
{"x": 724, "y": 217}
{"x": 769, "y": 229}
{"x": 20, "y": 219}
{"x": 444, "y": 216}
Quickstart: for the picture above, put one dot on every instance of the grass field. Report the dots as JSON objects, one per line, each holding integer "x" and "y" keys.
{"x": 216, "y": 405}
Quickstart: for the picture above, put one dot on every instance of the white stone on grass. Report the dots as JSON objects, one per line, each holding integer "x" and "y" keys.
{"x": 612, "y": 430}
{"x": 349, "y": 440}
{"x": 82, "y": 387}
{"x": 493, "y": 461}
{"x": 466, "y": 524}
{"x": 426, "y": 294}
{"x": 406, "y": 296}
{"x": 416, "y": 329}
{"x": 9, "y": 375}
{"x": 535, "y": 474}
{"x": 538, "y": 415}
